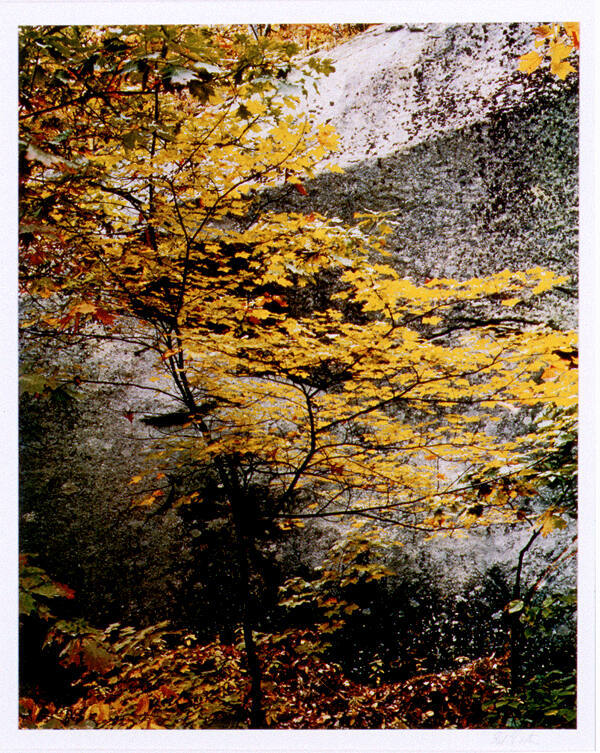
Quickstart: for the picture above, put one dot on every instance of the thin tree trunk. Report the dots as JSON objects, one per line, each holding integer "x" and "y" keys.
{"x": 257, "y": 715}
{"x": 516, "y": 629}
{"x": 243, "y": 540}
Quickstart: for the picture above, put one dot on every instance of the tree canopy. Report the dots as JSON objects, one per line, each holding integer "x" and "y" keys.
{"x": 148, "y": 209}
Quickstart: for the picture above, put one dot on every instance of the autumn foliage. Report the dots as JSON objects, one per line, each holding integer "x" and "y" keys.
{"x": 554, "y": 43}
{"x": 205, "y": 686}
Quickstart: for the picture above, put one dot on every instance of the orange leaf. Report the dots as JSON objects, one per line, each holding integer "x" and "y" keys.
{"x": 84, "y": 308}
{"x": 300, "y": 188}
{"x": 167, "y": 692}
{"x": 572, "y": 30}
{"x": 169, "y": 353}
{"x": 64, "y": 322}
{"x": 100, "y": 710}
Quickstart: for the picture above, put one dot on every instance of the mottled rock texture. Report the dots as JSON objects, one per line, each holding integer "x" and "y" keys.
{"x": 477, "y": 161}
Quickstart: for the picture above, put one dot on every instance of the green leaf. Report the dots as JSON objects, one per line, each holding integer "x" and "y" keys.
{"x": 27, "y": 604}
{"x": 48, "y": 590}
{"x": 208, "y": 67}
{"x": 132, "y": 139}
{"x": 200, "y": 89}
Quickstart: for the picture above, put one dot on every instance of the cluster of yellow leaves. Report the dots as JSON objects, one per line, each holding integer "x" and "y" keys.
{"x": 366, "y": 396}
{"x": 556, "y": 43}
{"x": 393, "y": 434}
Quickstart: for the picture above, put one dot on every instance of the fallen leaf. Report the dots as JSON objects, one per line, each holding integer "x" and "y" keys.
{"x": 143, "y": 705}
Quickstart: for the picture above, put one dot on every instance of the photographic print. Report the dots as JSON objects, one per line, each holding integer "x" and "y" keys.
{"x": 298, "y": 309}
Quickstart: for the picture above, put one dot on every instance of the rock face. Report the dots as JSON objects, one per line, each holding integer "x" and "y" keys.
{"x": 477, "y": 164}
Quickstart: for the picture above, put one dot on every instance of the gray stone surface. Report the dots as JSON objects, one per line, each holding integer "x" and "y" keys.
{"x": 477, "y": 162}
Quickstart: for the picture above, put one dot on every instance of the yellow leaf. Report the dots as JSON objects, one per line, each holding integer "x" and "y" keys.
{"x": 551, "y": 521}
{"x": 135, "y": 480}
{"x": 510, "y": 301}
{"x": 562, "y": 69}
{"x": 559, "y": 51}
{"x": 84, "y": 308}
{"x": 100, "y": 710}
{"x": 146, "y": 502}
{"x": 254, "y": 107}
{"x": 431, "y": 319}
{"x": 530, "y": 62}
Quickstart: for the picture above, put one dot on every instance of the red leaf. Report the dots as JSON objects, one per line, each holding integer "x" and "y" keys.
{"x": 64, "y": 322}
{"x": 167, "y": 692}
{"x": 143, "y": 705}
{"x": 37, "y": 258}
{"x": 253, "y": 319}
{"x": 101, "y": 315}
{"x": 128, "y": 415}
{"x": 67, "y": 592}
{"x": 300, "y": 188}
